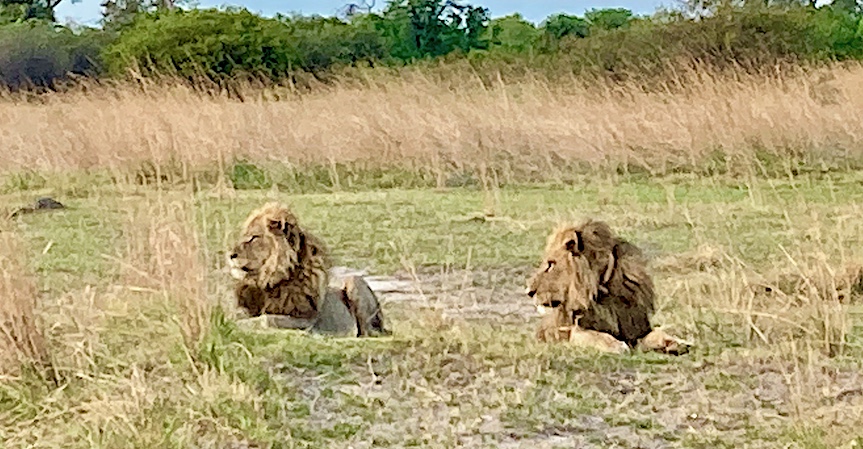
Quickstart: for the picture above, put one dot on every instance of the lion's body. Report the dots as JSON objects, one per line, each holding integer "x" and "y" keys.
{"x": 624, "y": 304}
{"x": 595, "y": 282}
{"x": 283, "y": 270}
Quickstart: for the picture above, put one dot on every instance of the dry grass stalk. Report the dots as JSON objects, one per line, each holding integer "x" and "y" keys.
{"x": 22, "y": 341}
{"x": 164, "y": 258}
{"x": 419, "y": 122}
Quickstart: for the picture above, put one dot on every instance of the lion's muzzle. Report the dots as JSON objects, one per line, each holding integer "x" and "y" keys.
{"x": 237, "y": 271}
{"x": 543, "y": 310}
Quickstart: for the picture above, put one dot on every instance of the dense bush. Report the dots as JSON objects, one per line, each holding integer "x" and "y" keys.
{"x": 222, "y": 44}
{"x": 215, "y": 44}
{"x": 750, "y": 38}
{"x": 612, "y": 43}
{"x": 39, "y": 54}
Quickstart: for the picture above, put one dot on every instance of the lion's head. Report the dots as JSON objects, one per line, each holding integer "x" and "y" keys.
{"x": 565, "y": 277}
{"x": 272, "y": 246}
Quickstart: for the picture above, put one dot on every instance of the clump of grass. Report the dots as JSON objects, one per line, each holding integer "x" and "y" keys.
{"x": 22, "y": 339}
{"x": 164, "y": 259}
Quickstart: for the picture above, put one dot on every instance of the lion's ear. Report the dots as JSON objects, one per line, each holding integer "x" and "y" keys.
{"x": 276, "y": 227}
{"x": 576, "y": 244}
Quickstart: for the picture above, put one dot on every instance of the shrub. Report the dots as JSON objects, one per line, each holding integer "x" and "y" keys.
{"x": 217, "y": 44}
{"x": 40, "y": 54}
{"x": 749, "y": 37}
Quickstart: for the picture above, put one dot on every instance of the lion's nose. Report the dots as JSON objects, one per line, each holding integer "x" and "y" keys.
{"x": 531, "y": 292}
{"x": 234, "y": 256}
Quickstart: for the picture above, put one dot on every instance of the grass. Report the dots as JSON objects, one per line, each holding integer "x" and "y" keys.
{"x": 415, "y": 131}
{"x": 462, "y": 368}
{"x": 744, "y": 191}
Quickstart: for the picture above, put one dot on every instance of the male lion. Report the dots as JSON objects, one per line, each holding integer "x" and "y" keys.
{"x": 599, "y": 292}
{"x": 282, "y": 270}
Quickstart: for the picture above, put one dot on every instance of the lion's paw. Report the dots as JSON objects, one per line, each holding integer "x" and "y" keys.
{"x": 660, "y": 341}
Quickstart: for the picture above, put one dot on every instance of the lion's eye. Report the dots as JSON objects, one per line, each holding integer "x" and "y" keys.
{"x": 550, "y": 266}
{"x": 251, "y": 239}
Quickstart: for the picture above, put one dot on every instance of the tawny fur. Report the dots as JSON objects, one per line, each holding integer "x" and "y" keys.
{"x": 290, "y": 266}
{"x": 282, "y": 269}
{"x": 595, "y": 281}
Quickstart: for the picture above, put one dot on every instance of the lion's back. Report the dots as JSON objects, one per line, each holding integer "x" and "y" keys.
{"x": 626, "y": 305}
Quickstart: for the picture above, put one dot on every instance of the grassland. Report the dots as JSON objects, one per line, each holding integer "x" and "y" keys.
{"x": 118, "y": 330}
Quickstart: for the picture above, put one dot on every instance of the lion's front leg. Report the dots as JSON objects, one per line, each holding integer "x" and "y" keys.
{"x": 596, "y": 340}
{"x": 250, "y": 299}
{"x": 554, "y": 325}
{"x": 660, "y": 341}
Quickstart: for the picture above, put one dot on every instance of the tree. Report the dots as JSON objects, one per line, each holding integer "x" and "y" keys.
{"x": 608, "y": 19}
{"x": 512, "y": 33}
{"x": 559, "y": 26}
{"x": 438, "y": 27}
{"x": 21, "y": 10}
{"x": 850, "y": 6}
{"x": 117, "y": 14}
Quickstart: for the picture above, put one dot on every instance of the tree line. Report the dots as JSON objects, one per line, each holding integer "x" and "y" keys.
{"x": 152, "y": 38}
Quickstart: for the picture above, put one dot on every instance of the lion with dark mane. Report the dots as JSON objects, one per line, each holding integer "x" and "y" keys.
{"x": 282, "y": 271}
{"x": 598, "y": 292}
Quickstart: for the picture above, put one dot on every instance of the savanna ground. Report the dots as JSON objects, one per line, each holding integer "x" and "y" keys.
{"x": 116, "y": 317}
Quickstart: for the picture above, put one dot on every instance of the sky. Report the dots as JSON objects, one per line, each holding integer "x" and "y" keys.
{"x": 88, "y": 11}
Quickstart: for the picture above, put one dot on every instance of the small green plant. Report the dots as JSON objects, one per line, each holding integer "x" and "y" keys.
{"x": 248, "y": 176}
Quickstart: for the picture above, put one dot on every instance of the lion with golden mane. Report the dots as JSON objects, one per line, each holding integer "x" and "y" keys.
{"x": 594, "y": 290}
{"x": 282, "y": 271}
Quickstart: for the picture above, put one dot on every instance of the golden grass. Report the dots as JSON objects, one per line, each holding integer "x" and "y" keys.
{"x": 164, "y": 257}
{"x": 137, "y": 375}
{"x": 22, "y": 340}
{"x": 414, "y": 121}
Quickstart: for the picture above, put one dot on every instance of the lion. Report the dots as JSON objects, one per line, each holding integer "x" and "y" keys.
{"x": 598, "y": 292}
{"x": 282, "y": 270}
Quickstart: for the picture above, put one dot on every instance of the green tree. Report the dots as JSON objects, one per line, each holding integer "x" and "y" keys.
{"x": 438, "y": 27}
{"x": 39, "y": 53}
{"x": 849, "y": 6}
{"x": 512, "y": 33}
{"x": 609, "y": 18}
{"x": 220, "y": 44}
{"x": 117, "y": 14}
{"x": 20, "y": 10}
{"x": 559, "y": 26}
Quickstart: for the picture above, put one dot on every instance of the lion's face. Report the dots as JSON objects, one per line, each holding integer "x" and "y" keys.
{"x": 564, "y": 279}
{"x": 267, "y": 251}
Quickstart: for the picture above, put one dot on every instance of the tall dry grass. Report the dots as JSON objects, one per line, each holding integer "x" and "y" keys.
{"x": 413, "y": 121}
{"x": 22, "y": 338}
{"x": 163, "y": 260}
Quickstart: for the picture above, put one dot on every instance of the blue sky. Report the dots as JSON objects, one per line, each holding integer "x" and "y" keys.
{"x": 87, "y": 11}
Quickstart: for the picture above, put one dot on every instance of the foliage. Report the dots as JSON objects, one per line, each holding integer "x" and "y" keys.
{"x": 608, "y": 19}
{"x": 750, "y": 37}
{"x": 38, "y": 53}
{"x": 512, "y": 34}
{"x": 22, "y": 10}
{"x": 216, "y": 44}
{"x": 560, "y": 26}
{"x": 153, "y": 37}
{"x": 414, "y": 29}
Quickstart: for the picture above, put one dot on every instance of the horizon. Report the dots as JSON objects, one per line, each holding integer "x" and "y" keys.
{"x": 89, "y": 12}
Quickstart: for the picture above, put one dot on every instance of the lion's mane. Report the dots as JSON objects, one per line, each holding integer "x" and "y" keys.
{"x": 281, "y": 268}
{"x": 595, "y": 280}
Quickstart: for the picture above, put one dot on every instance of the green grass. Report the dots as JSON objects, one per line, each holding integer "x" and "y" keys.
{"x": 455, "y": 373}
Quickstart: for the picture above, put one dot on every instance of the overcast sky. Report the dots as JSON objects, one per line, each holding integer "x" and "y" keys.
{"x": 87, "y": 11}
